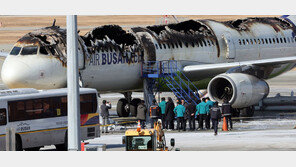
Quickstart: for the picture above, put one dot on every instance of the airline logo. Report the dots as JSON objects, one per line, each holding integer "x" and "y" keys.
{"x": 112, "y": 58}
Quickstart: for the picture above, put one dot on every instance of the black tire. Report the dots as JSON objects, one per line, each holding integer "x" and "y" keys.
{"x": 64, "y": 146}
{"x": 18, "y": 143}
{"x": 33, "y": 149}
{"x": 121, "y": 111}
{"x": 134, "y": 106}
{"x": 247, "y": 112}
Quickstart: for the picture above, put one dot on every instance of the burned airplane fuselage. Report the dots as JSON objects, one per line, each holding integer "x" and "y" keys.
{"x": 110, "y": 58}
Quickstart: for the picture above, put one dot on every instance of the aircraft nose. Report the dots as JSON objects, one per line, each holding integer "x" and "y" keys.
{"x": 16, "y": 74}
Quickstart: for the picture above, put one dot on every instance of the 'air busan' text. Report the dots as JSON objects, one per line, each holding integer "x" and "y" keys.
{"x": 112, "y": 58}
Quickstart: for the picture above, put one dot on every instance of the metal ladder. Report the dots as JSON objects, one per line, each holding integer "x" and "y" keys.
{"x": 169, "y": 73}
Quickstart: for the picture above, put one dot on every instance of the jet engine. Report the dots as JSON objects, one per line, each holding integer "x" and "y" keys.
{"x": 241, "y": 90}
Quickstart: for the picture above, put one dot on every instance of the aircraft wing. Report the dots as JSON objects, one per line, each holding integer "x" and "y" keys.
{"x": 210, "y": 70}
{"x": 3, "y": 55}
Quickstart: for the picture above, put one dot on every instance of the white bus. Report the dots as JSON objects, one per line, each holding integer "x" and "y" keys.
{"x": 40, "y": 117}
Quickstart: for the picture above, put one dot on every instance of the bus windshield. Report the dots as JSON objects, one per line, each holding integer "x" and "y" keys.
{"x": 139, "y": 143}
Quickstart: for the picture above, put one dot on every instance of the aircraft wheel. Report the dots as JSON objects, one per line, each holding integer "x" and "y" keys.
{"x": 247, "y": 112}
{"x": 122, "y": 110}
{"x": 134, "y": 106}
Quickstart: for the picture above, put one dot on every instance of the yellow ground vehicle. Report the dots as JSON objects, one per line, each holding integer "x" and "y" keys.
{"x": 146, "y": 139}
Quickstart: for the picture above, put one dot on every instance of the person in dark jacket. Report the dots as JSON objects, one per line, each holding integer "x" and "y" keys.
{"x": 169, "y": 114}
{"x": 105, "y": 115}
{"x": 215, "y": 116}
{"x": 154, "y": 113}
{"x": 226, "y": 112}
{"x": 141, "y": 113}
{"x": 191, "y": 109}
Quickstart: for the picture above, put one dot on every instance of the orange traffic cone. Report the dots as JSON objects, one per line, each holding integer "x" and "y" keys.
{"x": 224, "y": 126}
{"x": 139, "y": 126}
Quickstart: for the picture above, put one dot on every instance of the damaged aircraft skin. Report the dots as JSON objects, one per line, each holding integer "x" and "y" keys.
{"x": 110, "y": 58}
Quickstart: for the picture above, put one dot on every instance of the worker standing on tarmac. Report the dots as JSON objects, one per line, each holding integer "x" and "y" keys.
{"x": 226, "y": 112}
{"x": 215, "y": 116}
{"x": 154, "y": 112}
{"x": 191, "y": 109}
{"x": 169, "y": 114}
{"x": 202, "y": 113}
{"x": 209, "y": 105}
{"x": 105, "y": 115}
{"x": 162, "y": 105}
{"x": 141, "y": 113}
{"x": 180, "y": 111}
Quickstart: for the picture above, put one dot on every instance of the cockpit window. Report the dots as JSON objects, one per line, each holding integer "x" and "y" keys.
{"x": 29, "y": 50}
{"x": 43, "y": 50}
{"x": 15, "y": 50}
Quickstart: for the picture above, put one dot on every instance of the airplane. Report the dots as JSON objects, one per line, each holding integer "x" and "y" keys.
{"x": 231, "y": 59}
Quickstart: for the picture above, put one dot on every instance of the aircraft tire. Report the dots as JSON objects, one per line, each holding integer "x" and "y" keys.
{"x": 121, "y": 111}
{"x": 247, "y": 112}
{"x": 134, "y": 106}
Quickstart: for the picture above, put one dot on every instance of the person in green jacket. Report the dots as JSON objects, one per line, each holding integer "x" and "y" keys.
{"x": 179, "y": 112}
{"x": 201, "y": 111}
{"x": 208, "y": 107}
{"x": 162, "y": 105}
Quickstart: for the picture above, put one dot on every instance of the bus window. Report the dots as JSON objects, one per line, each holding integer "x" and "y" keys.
{"x": 3, "y": 118}
{"x": 88, "y": 103}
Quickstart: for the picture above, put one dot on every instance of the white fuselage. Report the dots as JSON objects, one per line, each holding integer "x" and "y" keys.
{"x": 110, "y": 72}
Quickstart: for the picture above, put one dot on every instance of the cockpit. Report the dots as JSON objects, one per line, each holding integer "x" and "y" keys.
{"x": 29, "y": 50}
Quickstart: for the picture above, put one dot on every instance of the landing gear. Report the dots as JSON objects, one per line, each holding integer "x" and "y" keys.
{"x": 127, "y": 106}
{"x": 247, "y": 112}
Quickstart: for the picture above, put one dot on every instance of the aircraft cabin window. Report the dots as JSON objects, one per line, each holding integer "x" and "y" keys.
{"x": 266, "y": 41}
{"x": 212, "y": 43}
{"x": 192, "y": 44}
{"x": 173, "y": 46}
{"x": 255, "y": 42}
{"x": 270, "y": 41}
{"x": 285, "y": 41}
{"x": 160, "y": 46}
{"x": 277, "y": 40}
{"x": 156, "y": 46}
{"x": 15, "y": 51}
{"x": 247, "y": 41}
{"x": 273, "y": 40}
{"x": 262, "y": 41}
{"x": 251, "y": 41}
{"x": 244, "y": 42}
{"x": 29, "y": 50}
{"x": 169, "y": 46}
{"x": 281, "y": 40}
{"x": 239, "y": 42}
{"x": 43, "y": 50}
{"x": 164, "y": 46}
{"x": 258, "y": 41}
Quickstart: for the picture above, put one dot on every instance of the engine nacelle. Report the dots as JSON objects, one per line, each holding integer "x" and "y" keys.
{"x": 241, "y": 90}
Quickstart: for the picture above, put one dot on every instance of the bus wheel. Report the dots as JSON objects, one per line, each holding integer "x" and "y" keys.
{"x": 18, "y": 143}
{"x": 33, "y": 149}
{"x": 134, "y": 106}
{"x": 121, "y": 109}
{"x": 64, "y": 146}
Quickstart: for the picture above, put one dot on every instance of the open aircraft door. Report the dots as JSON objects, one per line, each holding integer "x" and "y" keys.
{"x": 229, "y": 48}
